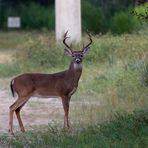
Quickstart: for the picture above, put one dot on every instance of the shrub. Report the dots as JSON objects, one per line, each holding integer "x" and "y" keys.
{"x": 40, "y": 57}
{"x": 36, "y": 16}
{"x": 92, "y": 18}
{"x": 123, "y": 22}
{"x": 141, "y": 11}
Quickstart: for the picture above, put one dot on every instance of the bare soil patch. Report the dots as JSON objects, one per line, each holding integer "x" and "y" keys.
{"x": 6, "y": 56}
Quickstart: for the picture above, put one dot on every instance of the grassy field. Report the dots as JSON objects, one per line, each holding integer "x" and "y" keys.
{"x": 115, "y": 76}
{"x": 126, "y": 130}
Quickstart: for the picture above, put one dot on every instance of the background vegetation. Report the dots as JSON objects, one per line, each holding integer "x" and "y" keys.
{"x": 98, "y": 16}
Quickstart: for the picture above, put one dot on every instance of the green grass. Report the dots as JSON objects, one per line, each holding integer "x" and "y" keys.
{"x": 125, "y": 130}
{"x": 19, "y": 39}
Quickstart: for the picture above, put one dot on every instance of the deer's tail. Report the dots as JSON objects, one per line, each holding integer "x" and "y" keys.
{"x": 11, "y": 87}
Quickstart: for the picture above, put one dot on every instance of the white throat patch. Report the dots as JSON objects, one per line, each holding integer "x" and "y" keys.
{"x": 77, "y": 66}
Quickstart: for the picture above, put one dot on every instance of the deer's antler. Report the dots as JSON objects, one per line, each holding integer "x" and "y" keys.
{"x": 89, "y": 36}
{"x": 64, "y": 41}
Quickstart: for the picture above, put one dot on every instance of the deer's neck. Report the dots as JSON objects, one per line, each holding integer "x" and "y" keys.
{"x": 74, "y": 72}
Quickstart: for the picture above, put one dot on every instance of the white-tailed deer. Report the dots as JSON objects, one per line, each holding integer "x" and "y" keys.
{"x": 62, "y": 84}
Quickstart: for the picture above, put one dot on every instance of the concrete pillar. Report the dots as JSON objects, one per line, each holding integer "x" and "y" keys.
{"x": 68, "y": 17}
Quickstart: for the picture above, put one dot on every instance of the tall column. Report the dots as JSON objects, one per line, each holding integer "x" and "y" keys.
{"x": 68, "y": 17}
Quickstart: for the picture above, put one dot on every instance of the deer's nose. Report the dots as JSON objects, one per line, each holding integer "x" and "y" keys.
{"x": 78, "y": 60}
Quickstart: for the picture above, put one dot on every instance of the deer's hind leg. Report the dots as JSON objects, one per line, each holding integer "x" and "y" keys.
{"x": 17, "y": 111}
{"x": 16, "y": 107}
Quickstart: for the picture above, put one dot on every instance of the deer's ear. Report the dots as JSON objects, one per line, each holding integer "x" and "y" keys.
{"x": 86, "y": 51}
{"x": 68, "y": 52}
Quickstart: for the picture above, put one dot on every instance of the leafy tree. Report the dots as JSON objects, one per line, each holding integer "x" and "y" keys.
{"x": 141, "y": 10}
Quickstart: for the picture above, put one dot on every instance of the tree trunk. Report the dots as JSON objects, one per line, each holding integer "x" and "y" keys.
{"x": 68, "y": 17}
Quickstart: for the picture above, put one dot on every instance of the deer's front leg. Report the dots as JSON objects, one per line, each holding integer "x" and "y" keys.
{"x": 65, "y": 102}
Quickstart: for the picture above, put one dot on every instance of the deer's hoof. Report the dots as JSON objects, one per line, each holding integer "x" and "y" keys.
{"x": 11, "y": 132}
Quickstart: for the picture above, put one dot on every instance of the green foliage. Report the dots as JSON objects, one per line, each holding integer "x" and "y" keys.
{"x": 126, "y": 130}
{"x": 141, "y": 11}
{"x": 109, "y": 7}
{"x": 36, "y": 16}
{"x": 92, "y": 18}
{"x": 96, "y": 15}
{"x": 123, "y": 22}
{"x": 40, "y": 57}
{"x": 129, "y": 130}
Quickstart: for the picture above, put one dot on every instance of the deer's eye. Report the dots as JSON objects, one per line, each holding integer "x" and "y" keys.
{"x": 73, "y": 56}
{"x": 81, "y": 56}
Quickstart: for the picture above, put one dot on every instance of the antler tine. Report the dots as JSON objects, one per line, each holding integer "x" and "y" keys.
{"x": 89, "y": 36}
{"x": 65, "y": 35}
{"x": 64, "y": 40}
